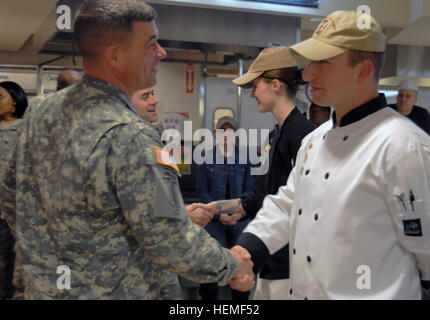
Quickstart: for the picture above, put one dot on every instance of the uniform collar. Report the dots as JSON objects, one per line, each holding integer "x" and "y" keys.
{"x": 291, "y": 116}
{"x": 8, "y": 125}
{"x": 110, "y": 90}
{"x": 394, "y": 106}
{"x": 362, "y": 111}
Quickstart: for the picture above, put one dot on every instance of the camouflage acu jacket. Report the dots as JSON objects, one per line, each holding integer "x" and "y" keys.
{"x": 91, "y": 196}
{"x": 8, "y": 133}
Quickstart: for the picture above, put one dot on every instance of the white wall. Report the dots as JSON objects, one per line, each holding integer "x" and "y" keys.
{"x": 170, "y": 90}
{"x": 220, "y": 92}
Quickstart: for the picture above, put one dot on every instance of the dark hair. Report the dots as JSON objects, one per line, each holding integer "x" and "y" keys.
{"x": 291, "y": 77}
{"x": 103, "y": 22}
{"x": 377, "y": 59}
{"x": 18, "y": 96}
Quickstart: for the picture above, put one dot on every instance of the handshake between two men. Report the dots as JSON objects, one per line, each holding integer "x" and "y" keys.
{"x": 230, "y": 212}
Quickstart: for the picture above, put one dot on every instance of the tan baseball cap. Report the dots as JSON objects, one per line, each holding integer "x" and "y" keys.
{"x": 268, "y": 59}
{"x": 339, "y": 32}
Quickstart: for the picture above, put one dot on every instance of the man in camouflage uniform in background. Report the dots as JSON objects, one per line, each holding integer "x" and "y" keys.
{"x": 91, "y": 187}
{"x": 7, "y": 141}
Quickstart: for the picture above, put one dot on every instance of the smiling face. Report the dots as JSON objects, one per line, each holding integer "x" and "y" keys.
{"x": 332, "y": 80}
{"x": 262, "y": 92}
{"x": 146, "y": 104}
{"x": 140, "y": 58}
{"x": 7, "y": 107}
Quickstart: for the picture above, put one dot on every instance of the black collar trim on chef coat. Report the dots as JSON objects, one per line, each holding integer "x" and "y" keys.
{"x": 362, "y": 111}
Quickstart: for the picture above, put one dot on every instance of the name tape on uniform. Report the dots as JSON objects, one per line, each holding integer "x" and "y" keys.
{"x": 164, "y": 158}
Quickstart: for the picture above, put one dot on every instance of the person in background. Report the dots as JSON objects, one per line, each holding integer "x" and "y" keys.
{"x": 356, "y": 207}
{"x": 146, "y": 107}
{"x": 67, "y": 78}
{"x": 318, "y": 114}
{"x": 224, "y": 178}
{"x": 274, "y": 78}
{"x": 101, "y": 196}
{"x": 146, "y": 104}
{"x": 13, "y": 103}
{"x": 406, "y": 99}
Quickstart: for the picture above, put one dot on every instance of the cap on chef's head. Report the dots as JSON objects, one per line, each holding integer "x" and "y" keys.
{"x": 408, "y": 85}
{"x": 339, "y": 32}
{"x": 268, "y": 59}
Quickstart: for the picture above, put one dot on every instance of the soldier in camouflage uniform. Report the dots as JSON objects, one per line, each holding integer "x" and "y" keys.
{"x": 94, "y": 189}
{"x": 8, "y": 132}
{"x": 13, "y": 103}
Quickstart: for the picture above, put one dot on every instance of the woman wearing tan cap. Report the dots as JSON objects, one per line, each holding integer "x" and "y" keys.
{"x": 274, "y": 79}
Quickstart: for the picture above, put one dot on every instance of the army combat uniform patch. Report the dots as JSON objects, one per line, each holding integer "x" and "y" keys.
{"x": 164, "y": 158}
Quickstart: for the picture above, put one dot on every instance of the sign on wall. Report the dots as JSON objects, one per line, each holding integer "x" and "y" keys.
{"x": 189, "y": 78}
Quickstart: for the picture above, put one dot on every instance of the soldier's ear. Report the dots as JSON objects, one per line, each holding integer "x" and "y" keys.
{"x": 112, "y": 56}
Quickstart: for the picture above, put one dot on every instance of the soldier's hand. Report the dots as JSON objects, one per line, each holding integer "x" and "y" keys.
{"x": 243, "y": 278}
{"x": 199, "y": 214}
{"x": 244, "y": 284}
{"x": 230, "y": 219}
{"x": 243, "y": 257}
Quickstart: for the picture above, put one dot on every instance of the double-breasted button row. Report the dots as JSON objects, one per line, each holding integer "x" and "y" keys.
{"x": 326, "y": 176}
{"x": 300, "y": 211}
{"x": 308, "y": 257}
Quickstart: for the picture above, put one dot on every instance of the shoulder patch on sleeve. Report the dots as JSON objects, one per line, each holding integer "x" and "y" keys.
{"x": 164, "y": 158}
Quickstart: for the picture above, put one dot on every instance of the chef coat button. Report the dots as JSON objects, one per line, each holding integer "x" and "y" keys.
{"x": 316, "y": 217}
{"x": 291, "y": 291}
{"x": 326, "y": 175}
{"x": 308, "y": 258}
{"x": 324, "y": 137}
{"x": 307, "y": 172}
{"x": 294, "y": 251}
{"x": 344, "y": 138}
{"x": 300, "y": 212}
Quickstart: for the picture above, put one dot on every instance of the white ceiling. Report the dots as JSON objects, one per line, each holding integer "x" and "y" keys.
{"x": 416, "y": 33}
{"x": 19, "y": 19}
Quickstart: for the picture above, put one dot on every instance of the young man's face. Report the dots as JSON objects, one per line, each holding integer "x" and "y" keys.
{"x": 406, "y": 100}
{"x": 332, "y": 80}
{"x": 141, "y": 56}
{"x": 146, "y": 104}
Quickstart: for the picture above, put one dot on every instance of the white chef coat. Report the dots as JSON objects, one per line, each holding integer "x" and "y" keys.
{"x": 342, "y": 214}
